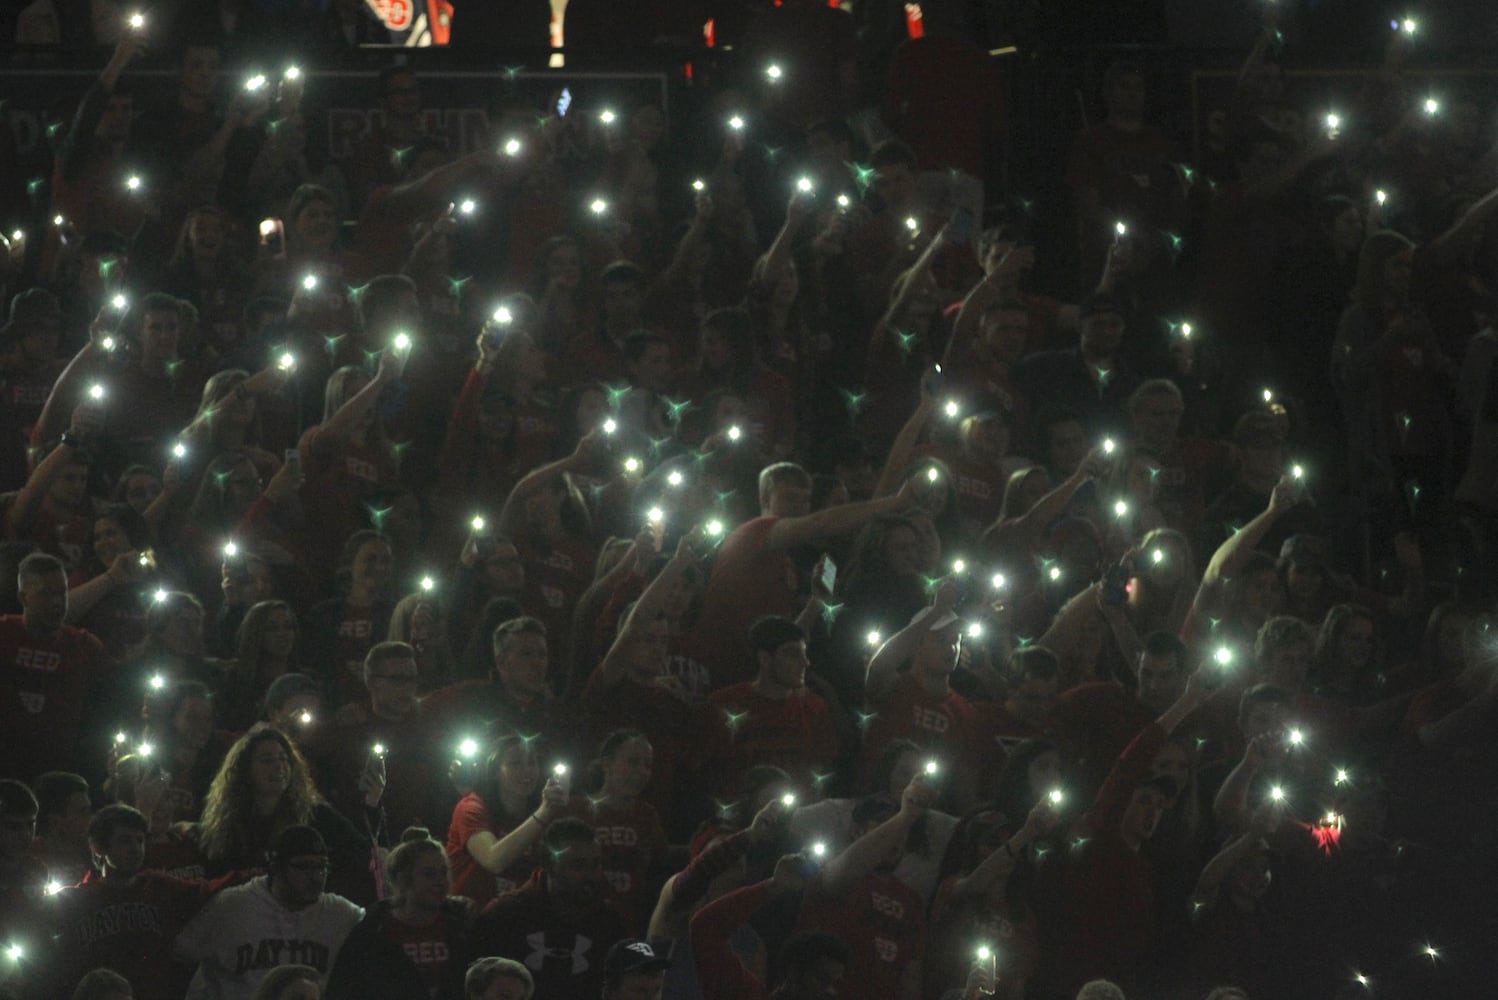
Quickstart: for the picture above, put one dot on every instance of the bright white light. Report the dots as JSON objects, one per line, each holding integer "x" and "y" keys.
{"x": 1381, "y": 196}
{"x": 804, "y": 185}
{"x": 310, "y": 282}
{"x": 157, "y": 682}
{"x": 997, "y": 581}
{"x": 699, "y": 185}
{"x": 932, "y": 475}
{"x": 469, "y": 748}
{"x": 96, "y": 392}
{"x": 477, "y": 524}
{"x": 133, "y": 183}
{"x": 1121, "y": 508}
{"x": 120, "y": 738}
{"x": 179, "y": 450}
{"x": 715, "y": 528}
{"x": 255, "y": 83}
{"x": 1057, "y": 796}
{"x": 1108, "y": 446}
{"x": 1185, "y": 329}
{"x": 675, "y": 478}
{"x": 107, "y": 343}
{"x": 1277, "y": 793}
{"x": 559, "y": 770}
{"x": 512, "y": 147}
{"x": 305, "y": 718}
{"x": 736, "y": 123}
{"x": 402, "y": 341}
{"x": 1120, "y": 228}
{"x": 610, "y": 426}
{"x": 607, "y": 116}
{"x": 819, "y": 850}
{"x": 287, "y": 361}
{"x": 468, "y": 206}
{"x": 53, "y": 887}
{"x": 959, "y": 566}
{"x": 631, "y": 465}
{"x": 873, "y": 638}
{"x": 428, "y": 584}
{"x": 1297, "y": 472}
{"x": 843, "y": 201}
{"x": 145, "y": 750}
{"x": 734, "y": 433}
{"x": 378, "y": 749}
{"x": 1157, "y": 556}
{"x": 1223, "y": 656}
{"x": 912, "y": 223}
{"x": 932, "y": 767}
{"x": 598, "y": 206}
{"x": 774, "y": 72}
{"x": 952, "y": 409}
{"x": 788, "y": 799}
{"x": 137, "y": 20}
{"x": 655, "y": 515}
{"x": 975, "y": 630}
{"x": 1432, "y": 106}
{"x": 293, "y": 73}
{"x": 231, "y": 550}
{"x": 1055, "y": 573}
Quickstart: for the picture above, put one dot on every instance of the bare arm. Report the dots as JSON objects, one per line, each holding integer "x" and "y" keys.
{"x": 892, "y": 476}
{"x": 533, "y": 482}
{"x": 884, "y": 666}
{"x": 1237, "y": 547}
{"x": 498, "y": 854}
{"x": 789, "y": 532}
{"x": 341, "y": 424}
{"x": 859, "y": 859}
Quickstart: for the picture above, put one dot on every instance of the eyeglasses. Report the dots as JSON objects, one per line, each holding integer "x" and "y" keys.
{"x": 401, "y": 679}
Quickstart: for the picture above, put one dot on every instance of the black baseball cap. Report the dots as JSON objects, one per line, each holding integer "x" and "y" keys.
{"x": 633, "y": 956}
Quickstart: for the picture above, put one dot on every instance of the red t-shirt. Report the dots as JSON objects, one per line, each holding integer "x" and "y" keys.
{"x": 632, "y": 839}
{"x": 742, "y": 728}
{"x": 883, "y": 923}
{"x": 470, "y": 878}
{"x": 945, "y": 725}
{"x": 426, "y": 947}
{"x": 749, "y": 580}
{"x": 45, "y": 686}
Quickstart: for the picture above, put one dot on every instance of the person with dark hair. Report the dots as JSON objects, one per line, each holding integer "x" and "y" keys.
{"x": 280, "y": 918}
{"x": 561, "y": 922}
{"x": 49, "y": 674}
{"x": 1092, "y": 379}
{"x": 495, "y": 829}
{"x": 23, "y": 877}
{"x": 399, "y": 124}
{"x": 812, "y": 963}
{"x": 774, "y": 719}
{"x": 414, "y": 943}
{"x": 104, "y": 984}
{"x": 339, "y": 632}
{"x": 63, "y": 814}
{"x": 124, "y": 917}
{"x": 628, "y": 827}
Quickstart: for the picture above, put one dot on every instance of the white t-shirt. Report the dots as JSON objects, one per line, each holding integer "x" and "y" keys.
{"x": 244, "y": 932}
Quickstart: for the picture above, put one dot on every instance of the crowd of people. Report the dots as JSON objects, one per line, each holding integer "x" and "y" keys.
{"x": 638, "y": 555}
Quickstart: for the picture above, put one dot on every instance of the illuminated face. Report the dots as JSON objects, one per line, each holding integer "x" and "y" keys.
{"x": 936, "y": 653}
{"x": 628, "y": 771}
{"x": 1102, "y": 334}
{"x": 1161, "y": 681}
{"x": 1003, "y": 334}
{"x": 372, "y": 565}
{"x": 199, "y": 73}
{"x": 193, "y": 722}
{"x": 788, "y": 665}
{"x": 160, "y": 331}
{"x": 316, "y": 225}
{"x": 1157, "y": 419}
{"x": 110, "y": 540}
{"x": 392, "y": 685}
{"x": 44, "y": 600}
{"x": 1171, "y": 762}
{"x": 1031, "y": 700}
{"x": 790, "y": 497}
{"x": 518, "y": 771}
{"x": 70, "y": 486}
{"x": 141, "y": 490}
{"x": 522, "y": 664}
{"x": 278, "y": 635}
{"x": 270, "y": 769}
{"x": 205, "y": 234}
{"x": 1067, "y": 441}
{"x": 505, "y": 988}
{"x": 1142, "y": 815}
{"x": 575, "y": 874}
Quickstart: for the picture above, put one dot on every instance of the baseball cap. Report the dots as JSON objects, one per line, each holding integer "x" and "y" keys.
{"x": 296, "y": 841}
{"x": 773, "y": 631}
{"x": 633, "y": 956}
{"x": 288, "y": 686}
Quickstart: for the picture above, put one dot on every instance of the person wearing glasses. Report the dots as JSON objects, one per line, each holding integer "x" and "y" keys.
{"x": 281, "y": 918}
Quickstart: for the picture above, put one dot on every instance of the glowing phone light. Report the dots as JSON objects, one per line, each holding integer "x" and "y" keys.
{"x": 402, "y": 341}
{"x": 804, "y": 185}
{"x": 715, "y": 528}
{"x": 469, "y": 748}
{"x": 1056, "y": 796}
{"x": 788, "y": 799}
{"x": 286, "y": 362}
{"x": 997, "y": 581}
{"x": 873, "y": 638}
{"x": 512, "y": 147}
{"x": 477, "y": 524}
{"x": 655, "y": 515}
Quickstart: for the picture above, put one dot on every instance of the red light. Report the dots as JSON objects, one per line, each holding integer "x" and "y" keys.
{"x": 915, "y": 27}
{"x": 710, "y": 33}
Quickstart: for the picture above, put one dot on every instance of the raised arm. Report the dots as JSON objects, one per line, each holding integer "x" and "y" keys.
{"x": 511, "y": 516}
{"x": 884, "y": 665}
{"x": 1027, "y": 527}
{"x": 497, "y": 854}
{"x": 858, "y": 860}
{"x": 833, "y": 522}
{"x": 1231, "y": 807}
{"x": 343, "y": 421}
{"x": 1231, "y": 554}
{"x": 893, "y": 475}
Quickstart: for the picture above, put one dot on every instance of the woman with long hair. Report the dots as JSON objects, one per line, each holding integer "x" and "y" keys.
{"x": 205, "y": 270}
{"x": 1347, "y": 665}
{"x": 495, "y": 828}
{"x": 263, "y": 787}
{"x": 265, "y": 648}
{"x": 374, "y": 963}
{"x": 617, "y": 801}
